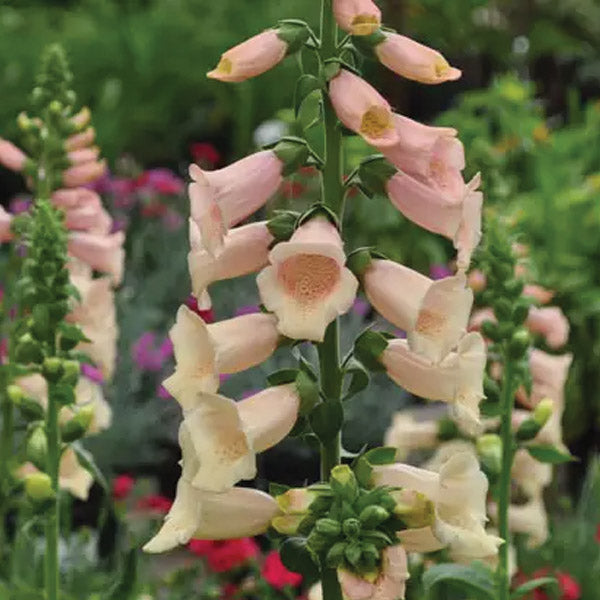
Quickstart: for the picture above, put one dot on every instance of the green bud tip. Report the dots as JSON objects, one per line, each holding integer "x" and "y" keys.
{"x": 15, "y": 393}
{"x": 543, "y": 411}
{"x": 38, "y": 487}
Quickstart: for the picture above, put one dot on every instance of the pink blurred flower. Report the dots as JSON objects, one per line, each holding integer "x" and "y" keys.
{"x": 229, "y": 554}
{"x": 160, "y": 181}
{"x": 207, "y": 315}
{"x": 275, "y": 573}
{"x": 20, "y": 204}
{"x": 358, "y": 17}
{"x": 162, "y": 392}
{"x": 249, "y": 309}
{"x": 11, "y": 156}
{"x": 361, "y": 307}
{"x": 205, "y": 154}
{"x": 201, "y": 547}
{"x": 92, "y": 373}
{"x": 147, "y": 355}
{"x": 122, "y": 486}
{"x": 439, "y": 271}
{"x": 155, "y": 503}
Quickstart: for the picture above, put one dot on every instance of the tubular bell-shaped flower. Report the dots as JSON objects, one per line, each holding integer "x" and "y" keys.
{"x": 413, "y": 60}
{"x": 530, "y": 519}
{"x": 549, "y": 374}
{"x": 245, "y": 250}
{"x": 5, "y": 224}
{"x": 103, "y": 253}
{"x": 433, "y": 313}
{"x": 457, "y": 379}
{"x": 307, "y": 285}
{"x": 361, "y": 108}
{"x": 226, "y": 435}
{"x": 432, "y": 155}
{"x": 238, "y": 512}
{"x": 458, "y": 220}
{"x": 11, "y": 156}
{"x": 222, "y": 198}
{"x": 551, "y": 323}
{"x": 407, "y": 433}
{"x": 358, "y": 17}
{"x": 203, "y": 352}
{"x": 251, "y": 58}
{"x": 458, "y": 493}
{"x": 83, "y": 210}
{"x": 389, "y": 583}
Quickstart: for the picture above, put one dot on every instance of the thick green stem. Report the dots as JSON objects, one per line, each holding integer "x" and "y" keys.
{"x": 52, "y": 515}
{"x": 507, "y": 401}
{"x": 6, "y": 450}
{"x": 331, "y": 585}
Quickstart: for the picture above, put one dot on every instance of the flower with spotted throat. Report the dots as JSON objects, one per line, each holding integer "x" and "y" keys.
{"x": 358, "y": 17}
{"x": 307, "y": 285}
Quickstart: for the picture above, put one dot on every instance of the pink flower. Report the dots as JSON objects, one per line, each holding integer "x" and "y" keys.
{"x": 83, "y": 173}
{"x": 103, "y": 253}
{"x": 358, "y": 17}
{"x": 162, "y": 393}
{"x": 147, "y": 356}
{"x": 551, "y": 323}
{"x": 160, "y": 181}
{"x": 432, "y": 155}
{"x": 458, "y": 220}
{"x": 275, "y": 573}
{"x": 206, "y": 315}
{"x": 222, "y": 198}
{"x": 205, "y": 153}
{"x": 307, "y": 284}
{"x": 413, "y": 60}
{"x": 155, "y": 503}
{"x": 538, "y": 293}
{"x": 83, "y": 210}
{"x": 84, "y": 155}
{"x": 11, "y": 157}
{"x": 122, "y": 486}
{"x": 251, "y": 58}
{"x": 92, "y": 373}
{"x": 201, "y": 547}
{"x": 20, "y": 204}
{"x": 248, "y": 309}
{"x": 245, "y": 250}
{"x": 568, "y": 586}
{"x": 361, "y": 108}
{"x": 81, "y": 140}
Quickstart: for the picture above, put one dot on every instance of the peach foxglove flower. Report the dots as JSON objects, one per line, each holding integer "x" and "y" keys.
{"x": 238, "y": 512}
{"x": 529, "y": 518}
{"x": 414, "y": 61}
{"x": 84, "y": 155}
{"x": 549, "y": 374}
{"x": 222, "y": 198}
{"x": 80, "y": 140}
{"x": 433, "y": 155}
{"x": 531, "y": 475}
{"x": 226, "y": 435}
{"x": 407, "y": 434}
{"x": 245, "y": 250}
{"x": 251, "y": 58}
{"x": 307, "y": 285}
{"x": 103, "y": 253}
{"x": 83, "y": 210}
{"x": 390, "y": 583}
{"x": 446, "y": 450}
{"x": 96, "y": 316}
{"x": 433, "y": 313}
{"x": 82, "y": 173}
{"x": 361, "y": 108}
{"x": 459, "y": 221}
{"x": 551, "y": 323}
{"x": 203, "y": 352}
{"x": 458, "y": 493}
{"x": 457, "y": 379}
{"x": 5, "y": 223}
{"x": 358, "y": 17}
{"x": 11, "y": 157}
{"x": 538, "y": 293}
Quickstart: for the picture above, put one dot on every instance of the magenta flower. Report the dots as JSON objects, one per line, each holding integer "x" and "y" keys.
{"x": 20, "y": 204}
{"x": 439, "y": 271}
{"x": 149, "y": 356}
{"x": 92, "y": 373}
{"x": 160, "y": 181}
{"x": 248, "y": 309}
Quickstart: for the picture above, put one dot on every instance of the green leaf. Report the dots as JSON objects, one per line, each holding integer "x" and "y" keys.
{"x": 282, "y": 377}
{"x": 124, "y": 587}
{"x": 326, "y": 419}
{"x": 86, "y": 460}
{"x": 363, "y": 471}
{"x": 477, "y": 582}
{"x": 547, "y": 453}
{"x": 304, "y": 87}
{"x": 296, "y": 557}
{"x": 359, "y": 378}
{"x": 385, "y": 455}
{"x": 524, "y": 589}
{"x": 276, "y": 489}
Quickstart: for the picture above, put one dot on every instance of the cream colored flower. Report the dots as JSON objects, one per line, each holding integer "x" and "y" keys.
{"x": 202, "y": 351}
{"x": 407, "y": 434}
{"x": 307, "y": 285}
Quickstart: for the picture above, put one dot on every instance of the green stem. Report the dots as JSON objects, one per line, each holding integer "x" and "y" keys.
{"x": 6, "y": 451}
{"x": 52, "y": 515}
{"x": 331, "y": 585}
{"x": 507, "y": 401}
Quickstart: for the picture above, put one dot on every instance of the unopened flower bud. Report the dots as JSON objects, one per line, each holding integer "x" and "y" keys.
{"x": 28, "y": 350}
{"x": 317, "y": 542}
{"x": 353, "y": 553}
{"x": 287, "y": 524}
{"x": 77, "y": 427}
{"x": 37, "y": 448}
{"x": 343, "y": 482}
{"x": 520, "y": 313}
{"x": 351, "y": 527}
{"x": 519, "y": 343}
{"x": 489, "y": 449}
{"x": 15, "y": 394}
{"x": 502, "y": 309}
{"x": 52, "y": 369}
{"x": 328, "y": 527}
{"x": 38, "y": 487}
{"x": 543, "y": 411}
{"x": 373, "y": 515}
{"x": 335, "y": 555}
{"x": 71, "y": 371}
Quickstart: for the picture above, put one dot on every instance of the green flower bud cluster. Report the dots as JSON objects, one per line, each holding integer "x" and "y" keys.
{"x": 348, "y": 526}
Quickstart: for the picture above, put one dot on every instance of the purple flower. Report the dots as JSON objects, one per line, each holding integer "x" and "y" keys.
{"x": 172, "y": 220}
{"x": 20, "y": 204}
{"x": 148, "y": 355}
{"x": 161, "y": 392}
{"x": 361, "y": 307}
{"x": 160, "y": 181}
{"x": 223, "y": 377}
{"x": 249, "y": 393}
{"x": 92, "y": 373}
{"x": 439, "y": 271}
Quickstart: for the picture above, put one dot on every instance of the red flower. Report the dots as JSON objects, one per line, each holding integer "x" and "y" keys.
{"x": 207, "y": 315}
{"x": 568, "y": 586}
{"x": 276, "y": 574}
{"x": 205, "y": 153}
{"x": 201, "y": 547}
{"x": 156, "y": 503}
{"x": 229, "y": 554}
{"x": 229, "y": 590}
{"x": 122, "y": 486}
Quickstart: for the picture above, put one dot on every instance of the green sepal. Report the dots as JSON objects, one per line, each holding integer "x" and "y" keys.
{"x": 368, "y": 347}
{"x": 282, "y": 377}
{"x": 374, "y": 173}
{"x": 31, "y": 409}
{"x": 344, "y": 484}
{"x": 293, "y": 152}
{"x": 282, "y": 225}
{"x": 359, "y": 378}
{"x": 319, "y": 210}
{"x": 28, "y": 350}
{"x": 326, "y": 420}
{"x": 335, "y": 555}
{"x": 331, "y": 69}
{"x": 294, "y": 33}
{"x": 547, "y": 453}
{"x": 527, "y": 430}
{"x": 62, "y": 393}
{"x": 359, "y": 261}
{"x": 366, "y": 44}
{"x": 308, "y": 390}
{"x": 305, "y": 86}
